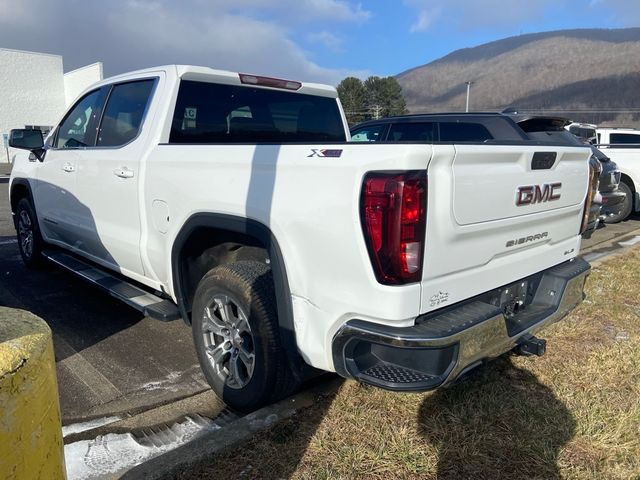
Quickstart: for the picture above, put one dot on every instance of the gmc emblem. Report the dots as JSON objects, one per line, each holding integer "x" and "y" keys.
{"x": 532, "y": 194}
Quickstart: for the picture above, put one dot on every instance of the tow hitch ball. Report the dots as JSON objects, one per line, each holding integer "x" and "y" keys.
{"x": 531, "y": 346}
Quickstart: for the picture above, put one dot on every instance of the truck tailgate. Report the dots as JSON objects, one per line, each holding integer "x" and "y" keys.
{"x": 486, "y": 183}
{"x": 478, "y": 237}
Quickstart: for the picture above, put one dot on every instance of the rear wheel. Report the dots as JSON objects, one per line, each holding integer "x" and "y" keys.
{"x": 30, "y": 242}
{"x": 627, "y": 205}
{"x": 236, "y": 334}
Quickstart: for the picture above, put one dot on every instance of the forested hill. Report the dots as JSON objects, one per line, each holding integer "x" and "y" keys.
{"x": 578, "y": 72}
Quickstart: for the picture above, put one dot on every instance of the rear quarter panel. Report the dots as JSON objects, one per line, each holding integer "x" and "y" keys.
{"x": 311, "y": 205}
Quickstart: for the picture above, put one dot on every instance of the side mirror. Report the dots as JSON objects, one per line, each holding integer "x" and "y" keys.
{"x": 28, "y": 140}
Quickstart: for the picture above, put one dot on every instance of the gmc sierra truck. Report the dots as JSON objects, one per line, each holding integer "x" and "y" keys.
{"x": 235, "y": 202}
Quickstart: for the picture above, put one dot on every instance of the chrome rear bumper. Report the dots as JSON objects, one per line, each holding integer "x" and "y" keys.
{"x": 443, "y": 345}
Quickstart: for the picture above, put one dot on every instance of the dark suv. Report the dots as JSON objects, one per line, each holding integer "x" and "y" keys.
{"x": 499, "y": 127}
{"x": 439, "y": 128}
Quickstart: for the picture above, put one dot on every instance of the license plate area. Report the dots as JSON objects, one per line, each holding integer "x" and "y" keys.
{"x": 513, "y": 299}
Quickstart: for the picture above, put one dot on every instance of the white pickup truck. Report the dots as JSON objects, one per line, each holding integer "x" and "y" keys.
{"x": 235, "y": 202}
{"x": 622, "y": 145}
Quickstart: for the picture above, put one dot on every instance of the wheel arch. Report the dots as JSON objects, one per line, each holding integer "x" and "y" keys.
{"x": 628, "y": 180}
{"x": 248, "y": 228}
{"x": 634, "y": 191}
{"x": 20, "y": 187}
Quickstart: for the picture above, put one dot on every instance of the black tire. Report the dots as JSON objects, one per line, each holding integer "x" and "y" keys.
{"x": 30, "y": 242}
{"x": 627, "y": 205}
{"x": 247, "y": 286}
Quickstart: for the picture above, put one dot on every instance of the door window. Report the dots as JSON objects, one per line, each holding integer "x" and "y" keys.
{"x": 78, "y": 129}
{"x": 123, "y": 114}
{"x": 463, "y": 132}
{"x": 413, "y": 132}
{"x": 625, "y": 140}
{"x": 367, "y": 134}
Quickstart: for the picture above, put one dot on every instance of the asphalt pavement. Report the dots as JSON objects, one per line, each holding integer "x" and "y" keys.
{"x": 110, "y": 359}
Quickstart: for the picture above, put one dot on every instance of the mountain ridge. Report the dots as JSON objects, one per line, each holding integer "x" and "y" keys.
{"x": 564, "y": 71}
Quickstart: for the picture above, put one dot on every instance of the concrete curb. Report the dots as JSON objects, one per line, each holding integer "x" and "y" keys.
{"x": 30, "y": 431}
{"x": 621, "y": 252}
{"x": 610, "y": 249}
{"x": 202, "y": 448}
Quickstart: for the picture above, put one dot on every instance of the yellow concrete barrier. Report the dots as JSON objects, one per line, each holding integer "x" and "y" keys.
{"x": 30, "y": 433}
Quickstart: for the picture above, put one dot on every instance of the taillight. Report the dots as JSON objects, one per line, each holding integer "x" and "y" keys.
{"x": 393, "y": 210}
{"x": 589, "y": 215}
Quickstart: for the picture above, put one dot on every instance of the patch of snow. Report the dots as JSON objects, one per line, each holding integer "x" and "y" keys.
{"x": 84, "y": 426}
{"x": 622, "y": 336}
{"x": 590, "y": 257}
{"x": 631, "y": 242}
{"x": 108, "y": 456}
{"x": 169, "y": 383}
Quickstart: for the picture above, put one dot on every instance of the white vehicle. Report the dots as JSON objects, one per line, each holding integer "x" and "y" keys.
{"x": 235, "y": 202}
{"x": 584, "y": 130}
{"x": 622, "y": 145}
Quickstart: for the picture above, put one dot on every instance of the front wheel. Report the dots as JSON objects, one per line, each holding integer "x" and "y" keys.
{"x": 236, "y": 335}
{"x": 30, "y": 242}
{"x": 627, "y": 205}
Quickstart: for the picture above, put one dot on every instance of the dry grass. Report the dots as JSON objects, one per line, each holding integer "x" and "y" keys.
{"x": 574, "y": 413}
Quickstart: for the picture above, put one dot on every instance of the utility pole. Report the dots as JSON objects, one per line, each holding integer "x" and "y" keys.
{"x": 5, "y": 140}
{"x": 468, "y": 91}
{"x": 377, "y": 109}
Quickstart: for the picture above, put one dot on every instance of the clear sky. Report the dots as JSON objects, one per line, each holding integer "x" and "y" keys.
{"x": 310, "y": 40}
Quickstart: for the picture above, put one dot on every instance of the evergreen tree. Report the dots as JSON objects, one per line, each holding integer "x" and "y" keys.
{"x": 353, "y": 98}
{"x": 384, "y": 97}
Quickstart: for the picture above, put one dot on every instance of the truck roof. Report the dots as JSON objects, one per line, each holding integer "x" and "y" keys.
{"x": 618, "y": 129}
{"x": 207, "y": 74}
{"x": 418, "y": 117}
{"x": 517, "y": 117}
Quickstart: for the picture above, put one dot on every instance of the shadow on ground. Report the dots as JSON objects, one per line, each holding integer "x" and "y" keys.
{"x": 501, "y": 422}
{"x": 109, "y": 357}
{"x": 74, "y": 310}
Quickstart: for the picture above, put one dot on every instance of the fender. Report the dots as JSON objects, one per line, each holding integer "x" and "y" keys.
{"x": 263, "y": 234}
{"x": 633, "y": 184}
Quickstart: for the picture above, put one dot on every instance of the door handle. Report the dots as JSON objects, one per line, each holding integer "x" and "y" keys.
{"x": 123, "y": 172}
{"x": 68, "y": 167}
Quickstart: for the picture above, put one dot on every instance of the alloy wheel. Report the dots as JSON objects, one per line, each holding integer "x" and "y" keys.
{"x": 228, "y": 341}
{"x": 25, "y": 233}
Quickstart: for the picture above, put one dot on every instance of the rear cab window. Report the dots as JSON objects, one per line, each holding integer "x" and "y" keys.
{"x": 218, "y": 113}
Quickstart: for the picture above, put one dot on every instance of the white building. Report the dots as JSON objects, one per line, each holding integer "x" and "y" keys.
{"x": 35, "y": 91}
